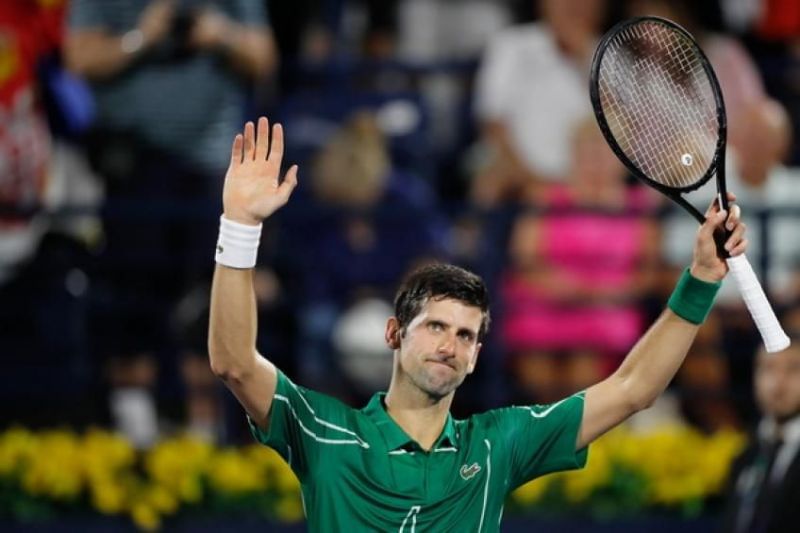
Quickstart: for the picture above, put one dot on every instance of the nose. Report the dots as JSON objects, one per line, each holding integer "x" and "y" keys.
{"x": 448, "y": 345}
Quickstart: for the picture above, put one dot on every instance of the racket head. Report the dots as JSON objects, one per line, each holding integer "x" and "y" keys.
{"x": 650, "y": 84}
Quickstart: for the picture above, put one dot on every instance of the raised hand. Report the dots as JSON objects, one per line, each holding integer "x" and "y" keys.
{"x": 706, "y": 264}
{"x": 252, "y": 190}
{"x": 156, "y": 20}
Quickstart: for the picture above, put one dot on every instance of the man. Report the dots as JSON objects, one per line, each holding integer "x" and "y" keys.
{"x": 171, "y": 79}
{"x": 152, "y": 64}
{"x": 403, "y": 462}
{"x": 29, "y": 33}
{"x": 530, "y": 95}
{"x": 765, "y": 496}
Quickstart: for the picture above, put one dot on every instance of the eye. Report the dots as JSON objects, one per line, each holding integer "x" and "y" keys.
{"x": 466, "y": 336}
{"x": 435, "y": 326}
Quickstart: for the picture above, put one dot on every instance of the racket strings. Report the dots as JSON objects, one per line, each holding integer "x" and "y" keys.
{"x": 658, "y": 91}
{"x": 669, "y": 116}
{"x": 659, "y": 104}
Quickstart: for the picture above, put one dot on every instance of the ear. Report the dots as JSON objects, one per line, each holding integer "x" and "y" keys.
{"x": 392, "y": 333}
{"x": 474, "y": 361}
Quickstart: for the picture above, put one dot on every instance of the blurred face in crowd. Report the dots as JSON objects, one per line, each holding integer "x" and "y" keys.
{"x": 438, "y": 348}
{"x": 777, "y": 383}
{"x": 765, "y": 141}
{"x": 593, "y": 161}
{"x": 566, "y": 16}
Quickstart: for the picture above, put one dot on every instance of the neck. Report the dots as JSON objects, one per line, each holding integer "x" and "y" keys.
{"x": 420, "y": 416}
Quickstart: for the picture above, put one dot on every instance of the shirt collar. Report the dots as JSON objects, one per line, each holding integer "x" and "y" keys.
{"x": 395, "y": 437}
{"x": 768, "y": 429}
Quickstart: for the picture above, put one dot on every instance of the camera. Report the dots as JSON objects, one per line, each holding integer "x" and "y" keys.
{"x": 183, "y": 21}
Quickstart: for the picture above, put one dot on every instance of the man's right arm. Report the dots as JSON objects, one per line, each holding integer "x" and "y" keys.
{"x": 252, "y": 192}
{"x": 232, "y": 343}
{"x": 96, "y": 53}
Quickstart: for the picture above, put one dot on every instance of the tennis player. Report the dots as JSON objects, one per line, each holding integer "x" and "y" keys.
{"x": 402, "y": 463}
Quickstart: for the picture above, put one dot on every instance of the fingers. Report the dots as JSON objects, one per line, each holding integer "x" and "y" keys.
{"x": 257, "y": 144}
{"x": 740, "y": 248}
{"x": 736, "y": 240}
{"x": 289, "y": 183}
{"x": 714, "y": 219}
{"x": 734, "y": 218}
{"x": 714, "y": 207}
{"x": 236, "y": 151}
{"x": 262, "y": 139}
{"x": 249, "y": 140}
{"x": 276, "y": 149}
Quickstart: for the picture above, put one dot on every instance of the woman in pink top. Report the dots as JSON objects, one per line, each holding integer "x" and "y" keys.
{"x": 571, "y": 293}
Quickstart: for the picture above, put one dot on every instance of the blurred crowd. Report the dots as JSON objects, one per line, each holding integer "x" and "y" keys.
{"x": 425, "y": 130}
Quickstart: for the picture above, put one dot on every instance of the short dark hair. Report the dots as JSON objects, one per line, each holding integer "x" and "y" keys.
{"x": 439, "y": 281}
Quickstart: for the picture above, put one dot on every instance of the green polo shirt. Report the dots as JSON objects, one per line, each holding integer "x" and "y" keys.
{"x": 359, "y": 470}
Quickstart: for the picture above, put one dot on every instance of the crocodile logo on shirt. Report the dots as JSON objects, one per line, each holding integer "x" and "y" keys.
{"x": 469, "y": 471}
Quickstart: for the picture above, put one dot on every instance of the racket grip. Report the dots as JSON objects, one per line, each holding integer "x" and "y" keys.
{"x": 775, "y": 339}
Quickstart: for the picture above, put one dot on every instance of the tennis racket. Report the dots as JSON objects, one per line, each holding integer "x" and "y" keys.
{"x": 659, "y": 106}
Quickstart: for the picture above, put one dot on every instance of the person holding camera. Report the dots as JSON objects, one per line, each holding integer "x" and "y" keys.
{"x": 170, "y": 79}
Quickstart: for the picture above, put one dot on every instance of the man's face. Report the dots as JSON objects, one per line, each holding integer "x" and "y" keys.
{"x": 439, "y": 348}
{"x": 777, "y": 383}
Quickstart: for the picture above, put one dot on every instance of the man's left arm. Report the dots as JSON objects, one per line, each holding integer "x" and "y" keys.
{"x": 655, "y": 359}
{"x": 249, "y": 45}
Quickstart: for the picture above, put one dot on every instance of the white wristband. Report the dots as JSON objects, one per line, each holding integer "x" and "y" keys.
{"x": 237, "y": 246}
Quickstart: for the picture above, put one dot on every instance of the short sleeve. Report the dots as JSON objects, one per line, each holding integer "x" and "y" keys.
{"x": 86, "y": 14}
{"x": 541, "y": 438}
{"x": 302, "y": 423}
{"x": 250, "y": 13}
{"x": 494, "y": 74}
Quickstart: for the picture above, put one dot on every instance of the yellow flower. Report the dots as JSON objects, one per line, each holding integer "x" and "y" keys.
{"x": 579, "y": 484}
{"x": 232, "y": 472}
{"x": 283, "y": 478}
{"x": 108, "y": 497}
{"x": 161, "y": 499}
{"x": 289, "y": 509}
{"x": 178, "y": 465}
{"x": 532, "y": 491}
{"x": 145, "y": 517}
{"x": 17, "y": 445}
{"x": 190, "y": 490}
{"x": 56, "y": 468}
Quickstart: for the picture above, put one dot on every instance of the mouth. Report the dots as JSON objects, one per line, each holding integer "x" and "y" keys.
{"x": 441, "y": 363}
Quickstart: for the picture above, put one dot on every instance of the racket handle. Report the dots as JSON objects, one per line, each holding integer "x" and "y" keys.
{"x": 772, "y": 333}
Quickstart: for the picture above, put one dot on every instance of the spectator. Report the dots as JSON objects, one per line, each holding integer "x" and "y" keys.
{"x": 170, "y": 79}
{"x": 765, "y": 489}
{"x": 41, "y": 286}
{"x": 707, "y": 397}
{"x": 738, "y": 75}
{"x": 29, "y": 32}
{"x": 364, "y": 209}
{"x": 762, "y": 183}
{"x": 530, "y": 94}
{"x": 208, "y": 412}
{"x": 577, "y": 272}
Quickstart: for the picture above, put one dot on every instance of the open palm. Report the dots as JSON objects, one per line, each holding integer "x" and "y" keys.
{"x": 253, "y": 190}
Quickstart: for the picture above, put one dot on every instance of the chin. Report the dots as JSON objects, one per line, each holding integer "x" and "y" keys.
{"x": 441, "y": 390}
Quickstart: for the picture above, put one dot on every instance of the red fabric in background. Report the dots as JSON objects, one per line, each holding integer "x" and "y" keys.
{"x": 29, "y": 31}
{"x": 780, "y": 20}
